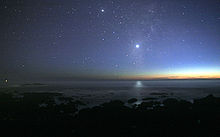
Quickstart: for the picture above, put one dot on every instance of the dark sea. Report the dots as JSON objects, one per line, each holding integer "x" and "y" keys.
{"x": 97, "y": 92}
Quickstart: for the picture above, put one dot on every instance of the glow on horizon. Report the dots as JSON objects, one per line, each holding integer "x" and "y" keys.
{"x": 180, "y": 74}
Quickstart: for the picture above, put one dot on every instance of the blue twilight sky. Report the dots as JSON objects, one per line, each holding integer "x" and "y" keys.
{"x": 96, "y": 39}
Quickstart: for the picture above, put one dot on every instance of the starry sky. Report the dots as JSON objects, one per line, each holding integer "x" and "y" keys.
{"x": 109, "y": 39}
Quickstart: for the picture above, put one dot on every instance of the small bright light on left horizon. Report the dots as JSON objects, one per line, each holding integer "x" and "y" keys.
{"x": 137, "y": 46}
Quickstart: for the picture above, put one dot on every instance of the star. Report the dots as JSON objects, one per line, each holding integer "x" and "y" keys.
{"x": 102, "y": 10}
{"x": 137, "y": 46}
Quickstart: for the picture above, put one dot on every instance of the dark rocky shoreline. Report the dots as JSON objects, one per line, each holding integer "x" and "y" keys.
{"x": 51, "y": 114}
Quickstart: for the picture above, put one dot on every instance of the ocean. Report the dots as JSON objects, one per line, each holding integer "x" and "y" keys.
{"x": 94, "y": 93}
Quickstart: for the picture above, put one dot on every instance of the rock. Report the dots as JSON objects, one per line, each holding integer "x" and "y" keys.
{"x": 132, "y": 100}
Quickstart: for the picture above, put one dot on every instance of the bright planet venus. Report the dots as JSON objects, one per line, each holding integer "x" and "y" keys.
{"x": 137, "y": 46}
{"x": 109, "y": 39}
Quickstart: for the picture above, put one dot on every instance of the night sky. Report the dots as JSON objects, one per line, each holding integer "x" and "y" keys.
{"x": 109, "y": 39}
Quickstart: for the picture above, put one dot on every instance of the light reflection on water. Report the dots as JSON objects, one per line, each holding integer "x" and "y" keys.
{"x": 138, "y": 84}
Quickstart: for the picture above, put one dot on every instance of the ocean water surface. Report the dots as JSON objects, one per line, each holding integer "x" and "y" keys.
{"x": 96, "y": 92}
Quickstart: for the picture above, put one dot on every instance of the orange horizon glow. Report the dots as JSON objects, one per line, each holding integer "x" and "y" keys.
{"x": 186, "y": 73}
{"x": 175, "y": 76}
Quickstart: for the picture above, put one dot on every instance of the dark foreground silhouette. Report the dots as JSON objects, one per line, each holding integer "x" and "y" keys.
{"x": 52, "y": 115}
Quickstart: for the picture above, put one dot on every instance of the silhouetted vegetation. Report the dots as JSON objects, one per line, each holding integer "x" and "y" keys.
{"x": 53, "y": 115}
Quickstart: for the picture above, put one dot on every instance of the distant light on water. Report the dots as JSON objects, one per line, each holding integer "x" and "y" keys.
{"x": 138, "y": 84}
